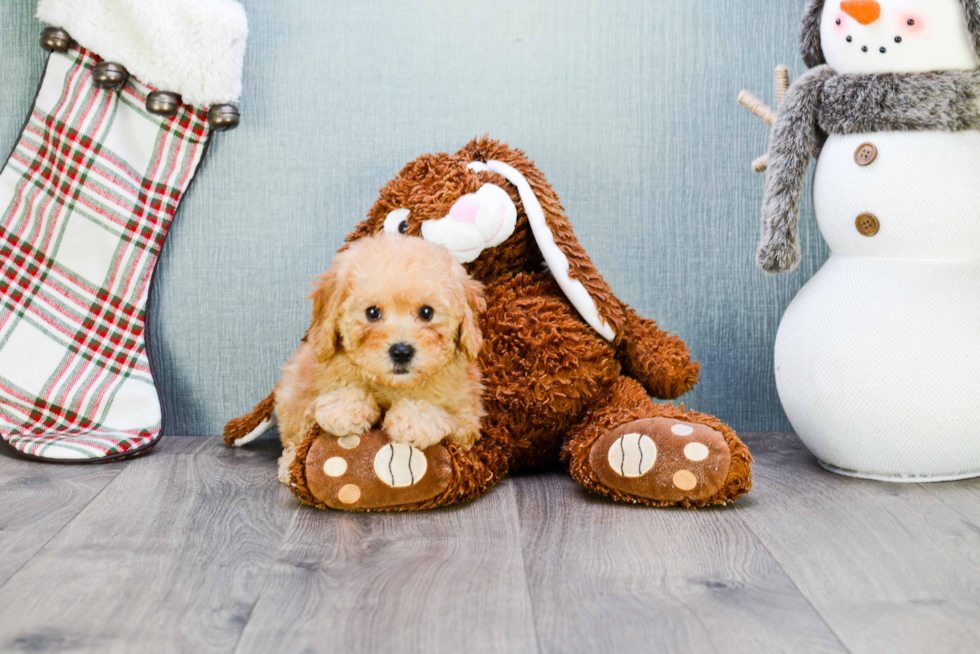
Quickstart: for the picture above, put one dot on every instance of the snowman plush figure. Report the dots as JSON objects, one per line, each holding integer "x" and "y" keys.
{"x": 878, "y": 357}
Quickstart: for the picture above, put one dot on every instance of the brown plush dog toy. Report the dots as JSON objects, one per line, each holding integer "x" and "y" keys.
{"x": 567, "y": 366}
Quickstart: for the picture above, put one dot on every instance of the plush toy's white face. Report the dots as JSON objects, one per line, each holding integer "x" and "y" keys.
{"x": 896, "y": 36}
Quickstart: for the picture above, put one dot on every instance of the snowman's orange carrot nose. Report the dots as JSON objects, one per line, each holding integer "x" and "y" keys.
{"x": 863, "y": 11}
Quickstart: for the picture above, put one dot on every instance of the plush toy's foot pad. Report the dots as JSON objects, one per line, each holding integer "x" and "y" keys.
{"x": 663, "y": 460}
{"x": 369, "y": 472}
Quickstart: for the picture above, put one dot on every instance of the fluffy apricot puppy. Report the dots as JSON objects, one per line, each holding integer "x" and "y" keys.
{"x": 394, "y": 341}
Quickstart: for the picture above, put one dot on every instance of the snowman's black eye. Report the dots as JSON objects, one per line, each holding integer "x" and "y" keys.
{"x": 849, "y": 39}
{"x": 881, "y": 50}
{"x": 864, "y": 48}
{"x": 403, "y": 227}
{"x": 373, "y": 314}
{"x": 898, "y": 39}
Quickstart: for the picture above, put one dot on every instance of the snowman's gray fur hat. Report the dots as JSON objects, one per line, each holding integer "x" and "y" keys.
{"x": 810, "y": 30}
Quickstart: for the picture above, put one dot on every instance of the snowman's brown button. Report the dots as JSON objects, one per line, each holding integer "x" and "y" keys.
{"x": 867, "y": 224}
{"x": 865, "y": 154}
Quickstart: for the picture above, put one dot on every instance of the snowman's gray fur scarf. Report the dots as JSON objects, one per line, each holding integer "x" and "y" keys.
{"x": 894, "y": 102}
{"x": 823, "y": 102}
{"x": 794, "y": 136}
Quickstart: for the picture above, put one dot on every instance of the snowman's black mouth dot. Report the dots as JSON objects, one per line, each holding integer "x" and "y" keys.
{"x": 864, "y": 48}
{"x": 881, "y": 50}
{"x": 849, "y": 39}
{"x": 898, "y": 39}
{"x": 838, "y": 21}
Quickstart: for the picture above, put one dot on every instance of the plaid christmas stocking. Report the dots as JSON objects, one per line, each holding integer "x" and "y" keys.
{"x": 86, "y": 199}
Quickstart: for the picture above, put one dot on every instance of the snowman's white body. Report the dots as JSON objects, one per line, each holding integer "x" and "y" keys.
{"x": 878, "y": 357}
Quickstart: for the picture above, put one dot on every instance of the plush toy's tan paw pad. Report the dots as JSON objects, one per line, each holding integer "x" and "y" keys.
{"x": 662, "y": 459}
{"x": 369, "y": 472}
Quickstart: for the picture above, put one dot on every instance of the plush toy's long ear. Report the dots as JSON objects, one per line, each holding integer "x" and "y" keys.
{"x": 327, "y": 295}
{"x": 566, "y": 258}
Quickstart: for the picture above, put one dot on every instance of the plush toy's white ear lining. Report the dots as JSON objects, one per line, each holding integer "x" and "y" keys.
{"x": 553, "y": 255}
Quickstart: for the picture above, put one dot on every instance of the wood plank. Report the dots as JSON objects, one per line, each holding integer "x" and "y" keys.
{"x": 890, "y": 567}
{"x": 619, "y": 578}
{"x": 961, "y": 496}
{"x": 169, "y": 557}
{"x": 38, "y": 499}
{"x": 438, "y": 581}
{"x": 177, "y": 547}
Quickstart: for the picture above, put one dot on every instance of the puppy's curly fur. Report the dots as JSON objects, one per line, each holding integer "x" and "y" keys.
{"x": 394, "y": 341}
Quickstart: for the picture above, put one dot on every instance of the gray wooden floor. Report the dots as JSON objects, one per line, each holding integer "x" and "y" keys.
{"x": 197, "y": 548}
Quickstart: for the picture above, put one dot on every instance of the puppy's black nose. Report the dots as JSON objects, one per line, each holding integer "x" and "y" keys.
{"x": 401, "y": 353}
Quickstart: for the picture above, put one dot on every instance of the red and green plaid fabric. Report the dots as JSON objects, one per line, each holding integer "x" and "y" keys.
{"x": 86, "y": 199}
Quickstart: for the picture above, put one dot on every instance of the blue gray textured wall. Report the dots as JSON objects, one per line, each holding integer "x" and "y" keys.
{"x": 628, "y": 106}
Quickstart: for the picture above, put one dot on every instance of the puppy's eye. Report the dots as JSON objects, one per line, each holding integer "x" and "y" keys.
{"x": 426, "y": 313}
{"x": 373, "y": 314}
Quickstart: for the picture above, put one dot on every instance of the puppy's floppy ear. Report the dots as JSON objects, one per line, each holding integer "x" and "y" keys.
{"x": 327, "y": 295}
{"x": 470, "y": 336}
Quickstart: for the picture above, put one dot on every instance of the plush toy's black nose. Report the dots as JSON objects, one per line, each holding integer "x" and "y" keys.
{"x": 401, "y": 353}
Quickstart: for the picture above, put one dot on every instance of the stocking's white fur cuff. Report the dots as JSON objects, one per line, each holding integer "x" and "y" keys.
{"x": 191, "y": 47}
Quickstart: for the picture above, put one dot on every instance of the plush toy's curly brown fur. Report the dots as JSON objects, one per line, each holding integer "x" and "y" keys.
{"x": 553, "y": 384}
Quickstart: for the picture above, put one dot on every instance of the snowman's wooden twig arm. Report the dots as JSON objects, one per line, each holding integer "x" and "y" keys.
{"x": 782, "y": 83}
{"x": 757, "y": 107}
{"x": 794, "y": 137}
{"x": 762, "y": 110}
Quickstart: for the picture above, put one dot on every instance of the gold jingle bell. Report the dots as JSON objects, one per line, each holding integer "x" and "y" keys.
{"x": 162, "y": 103}
{"x": 223, "y": 117}
{"x": 55, "y": 39}
{"x": 109, "y": 75}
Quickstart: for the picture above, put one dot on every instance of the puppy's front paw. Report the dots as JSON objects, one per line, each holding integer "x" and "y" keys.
{"x": 286, "y": 460}
{"x": 344, "y": 417}
{"x": 418, "y": 424}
